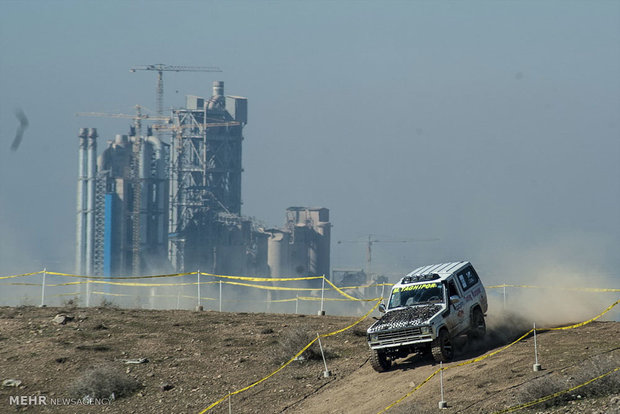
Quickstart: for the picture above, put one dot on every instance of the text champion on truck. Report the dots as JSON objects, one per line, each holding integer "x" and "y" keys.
{"x": 426, "y": 310}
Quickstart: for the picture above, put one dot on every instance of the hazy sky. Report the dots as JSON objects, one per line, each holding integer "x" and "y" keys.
{"x": 493, "y": 126}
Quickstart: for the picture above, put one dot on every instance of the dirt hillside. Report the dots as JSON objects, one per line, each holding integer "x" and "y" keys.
{"x": 182, "y": 361}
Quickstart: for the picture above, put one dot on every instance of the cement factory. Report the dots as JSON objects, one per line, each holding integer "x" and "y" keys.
{"x": 146, "y": 206}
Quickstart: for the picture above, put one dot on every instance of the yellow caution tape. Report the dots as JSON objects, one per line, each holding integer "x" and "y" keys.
{"x": 343, "y": 293}
{"x": 109, "y": 294}
{"x": 21, "y": 284}
{"x": 577, "y": 325}
{"x": 155, "y": 296}
{"x": 410, "y": 392}
{"x": 20, "y": 275}
{"x": 480, "y": 358}
{"x": 471, "y": 361}
{"x": 119, "y": 277}
{"x": 289, "y": 361}
{"x": 183, "y": 296}
{"x": 282, "y": 300}
{"x": 312, "y": 298}
{"x": 246, "y": 278}
{"x": 315, "y": 299}
{"x": 263, "y": 279}
{"x": 367, "y": 286}
{"x": 268, "y": 287}
{"x": 135, "y": 284}
{"x": 577, "y": 289}
{"x": 550, "y": 396}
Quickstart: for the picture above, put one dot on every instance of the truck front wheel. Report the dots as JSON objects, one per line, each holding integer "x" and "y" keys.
{"x": 442, "y": 347}
{"x": 379, "y": 360}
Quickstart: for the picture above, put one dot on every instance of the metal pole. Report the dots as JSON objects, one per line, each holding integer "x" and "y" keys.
{"x": 220, "y": 295}
{"x": 442, "y": 403}
{"x": 382, "y": 291}
{"x": 198, "y": 275}
{"x": 229, "y": 403}
{"x": 326, "y": 373}
{"x": 178, "y": 297}
{"x": 296, "y": 303}
{"x": 504, "y": 297}
{"x": 322, "y": 311}
{"x": 536, "y": 366}
{"x": 43, "y": 287}
{"x": 87, "y": 293}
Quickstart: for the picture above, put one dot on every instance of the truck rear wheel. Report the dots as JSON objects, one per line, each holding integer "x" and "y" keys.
{"x": 442, "y": 347}
{"x": 379, "y": 361}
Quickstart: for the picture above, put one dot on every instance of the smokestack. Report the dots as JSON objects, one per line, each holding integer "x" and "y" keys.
{"x": 80, "y": 242}
{"x": 91, "y": 167}
{"x": 218, "y": 88}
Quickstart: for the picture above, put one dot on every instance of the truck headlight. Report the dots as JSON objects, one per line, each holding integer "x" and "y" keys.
{"x": 426, "y": 329}
{"x": 374, "y": 337}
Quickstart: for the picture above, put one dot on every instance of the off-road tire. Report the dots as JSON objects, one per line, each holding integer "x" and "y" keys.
{"x": 442, "y": 348}
{"x": 379, "y": 361}
{"x": 478, "y": 325}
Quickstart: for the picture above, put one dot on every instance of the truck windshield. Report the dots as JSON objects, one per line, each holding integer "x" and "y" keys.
{"x": 416, "y": 295}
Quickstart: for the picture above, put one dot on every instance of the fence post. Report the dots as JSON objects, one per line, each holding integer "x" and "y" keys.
{"x": 326, "y": 373}
{"x": 536, "y": 366}
{"x": 87, "y": 293}
{"x": 152, "y": 300}
{"x": 220, "y": 295}
{"x": 43, "y": 287}
{"x": 198, "y": 306}
{"x": 322, "y": 311}
{"x": 442, "y": 403}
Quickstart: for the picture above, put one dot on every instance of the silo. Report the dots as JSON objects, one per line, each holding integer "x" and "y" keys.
{"x": 299, "y": 248}
{"x": 322, "y": 228}
{"x": 278, "y": 252}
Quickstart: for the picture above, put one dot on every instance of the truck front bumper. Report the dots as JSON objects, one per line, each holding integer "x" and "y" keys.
{"x": 387, "y": 339}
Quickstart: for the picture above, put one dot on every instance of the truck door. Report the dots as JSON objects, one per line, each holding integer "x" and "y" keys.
{"x": 456, "y": 320}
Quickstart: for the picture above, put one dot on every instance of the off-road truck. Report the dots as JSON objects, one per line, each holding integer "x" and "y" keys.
{"x": 426, "y": 310}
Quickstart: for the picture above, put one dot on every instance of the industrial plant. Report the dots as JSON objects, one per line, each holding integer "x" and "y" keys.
{"x": 147, "y": 206}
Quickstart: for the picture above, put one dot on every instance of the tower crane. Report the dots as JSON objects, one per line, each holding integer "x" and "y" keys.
{"x": 160, "y": 68}
{"x": 135, "y": 176}
{"x": 371, "y": 240}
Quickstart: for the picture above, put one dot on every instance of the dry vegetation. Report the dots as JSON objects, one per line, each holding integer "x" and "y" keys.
{"x": 195, "y": 358}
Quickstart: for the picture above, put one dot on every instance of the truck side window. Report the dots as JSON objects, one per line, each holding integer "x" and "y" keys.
{"x": 463, "y": 282}
{"x": 468, "y": 278}
{"x": 452, "y": 291}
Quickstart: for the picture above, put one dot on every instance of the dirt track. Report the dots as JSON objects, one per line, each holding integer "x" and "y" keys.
{"x": 205, "y": 355}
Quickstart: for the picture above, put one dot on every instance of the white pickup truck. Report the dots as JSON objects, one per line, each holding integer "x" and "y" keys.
{"x": 426, "y": 310}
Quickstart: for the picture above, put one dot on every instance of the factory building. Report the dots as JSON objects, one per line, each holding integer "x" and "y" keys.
{"x": 116, "y": 247}
{"x": 302, "y": 247}
{"x": 206, "y": 229}
{"x": 113, "y": 235}
{"x": 149, "y": 207}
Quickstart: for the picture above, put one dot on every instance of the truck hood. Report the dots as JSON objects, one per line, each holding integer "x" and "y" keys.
{"x": 402, "y": 318}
